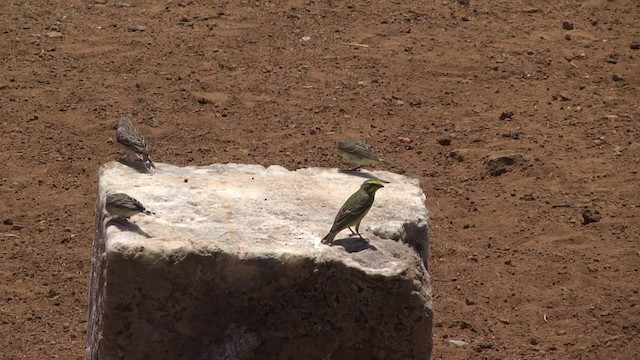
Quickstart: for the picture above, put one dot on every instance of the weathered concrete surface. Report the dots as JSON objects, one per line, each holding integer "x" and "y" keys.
{"x": 231, "y": 267}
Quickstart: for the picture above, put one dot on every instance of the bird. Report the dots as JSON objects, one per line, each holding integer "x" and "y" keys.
{"x": 133, "y": 142}
{"x": 354, "y": 209}
{"x": 358, "y": 153}
{"x": 124, "y": 206}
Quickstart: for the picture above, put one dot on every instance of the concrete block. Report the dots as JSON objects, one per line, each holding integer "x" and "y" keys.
{"x": 231, "y": 267}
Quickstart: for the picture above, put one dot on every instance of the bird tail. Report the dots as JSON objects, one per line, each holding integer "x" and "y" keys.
{"x": 329, "y": 238}
{"x": 147, "y": 161}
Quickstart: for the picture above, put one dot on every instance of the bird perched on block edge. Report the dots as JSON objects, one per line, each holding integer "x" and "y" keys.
{"x": 133, "y": 142}
{"x": 354, "y": 209}
{"x": 358, "y": 153}
{"x": 124, "y": 206}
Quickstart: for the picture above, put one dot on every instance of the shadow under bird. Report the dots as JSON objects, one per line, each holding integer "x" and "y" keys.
{"x": 354, "y": 210}
{"x": 133, "y": 142}
{"x": 358, "y": 153}
{"x": 124, "y": 206}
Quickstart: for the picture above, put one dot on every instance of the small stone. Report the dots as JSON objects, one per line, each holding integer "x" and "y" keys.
{"x": 589, "y": 216}
{"x": 17, "y": 227}
{"x": 534, "y": 341}
{"x": 465, "y": 18}
{"x": 456, "y": 155}
{"x": 616, "y": 77}
{"x": 635, "y": 45}
{"x": 463, "y": 2}
{"x": 469, "y": 301}
{"x": 457, "y": 342}
{"x": 568, "y": 37}
{"x": 66, "y": 325}
{"x": 404, "y": 140}
{"x": 567, "y": 25}
{"x": 485, "y": 345}
{"x": 444, "y": 141}
{"x": 267, "y": 69}
{"x": 54, "y": 34}
{"x": 506, "y": 115}
{"x": 564, "y": 97}
{"x": 505, "y": 321}
{"x": 500, "y": 164}
{"x": 136, "y": 28}
{"x": 8, "y": 221}
{"x": 611, "y": 60}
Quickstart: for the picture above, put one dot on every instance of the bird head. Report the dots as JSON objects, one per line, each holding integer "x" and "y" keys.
{"x": 371, "y": 186}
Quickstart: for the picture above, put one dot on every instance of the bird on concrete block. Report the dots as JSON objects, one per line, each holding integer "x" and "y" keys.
{"x": 124, "y": 206}
{"x": 357, "y": 153}
{"x": 133, "y": 142}
{"x": 354, "y": 209}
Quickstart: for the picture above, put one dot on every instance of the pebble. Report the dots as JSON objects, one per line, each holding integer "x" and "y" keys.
{"x": 635, "y": 45}
{"x": 136, "y": 28}
{"x": 469, "y": 301}
{"x": 8, "y": 221}
{"x": 589, "y": 216}
{"x": 617, "y": 77}
{"x": 567, "y": 25}
{"x": 404, "y": 140}
{"x": 506, "y": 115}
{"x": 444, "y": 141}
{"x": 54, "y": 34}
{"x": 457, "y": 342}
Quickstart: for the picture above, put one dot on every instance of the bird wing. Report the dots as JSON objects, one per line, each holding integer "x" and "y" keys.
{"x": 357, "y": 146}
{"x": 129, "y": 136}
{"x": 351, "y": 212}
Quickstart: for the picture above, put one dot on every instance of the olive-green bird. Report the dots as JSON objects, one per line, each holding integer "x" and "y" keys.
{"x": 358, "y": 153}
{"x": 354, "y": 209}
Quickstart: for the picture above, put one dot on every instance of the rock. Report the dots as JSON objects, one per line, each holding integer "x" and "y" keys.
{"x": 589, "y": 216}
{"x": 457, "y": 342}
{"x": 463, "y": 2}
{"x": 500, "y": 164}
{"x": 444, "y": 141}
{"x": 8, "y": 221}
{"x": 635, "y": 45}
{"x": 567, "y": 25}
{"x": 136, "y": 28}
{"x": 54, "y": 35}
{"x": 506, "y": 115}
{"x": 611, "y": 60}
{"x": 231, "y": 267}
{"x": 564, "y": 97}
{"x": 457, "y": 155}
{"x": 617, "y": 77}
{"x": 469, "y": 301}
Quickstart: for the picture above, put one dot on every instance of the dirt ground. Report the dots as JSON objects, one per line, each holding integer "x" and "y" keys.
{"x": 553, "y": 85}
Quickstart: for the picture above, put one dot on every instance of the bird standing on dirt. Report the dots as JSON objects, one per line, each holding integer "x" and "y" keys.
{"x": 357, "y": 153}
{"x": 354, "y": 209}
{"x": 124, "y": 206}
{"x": 133, "y": 142}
